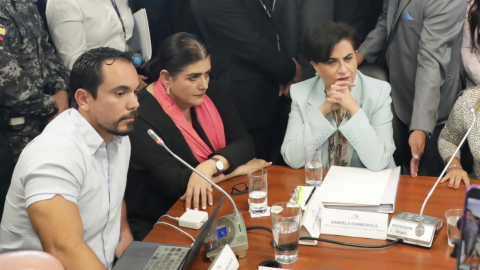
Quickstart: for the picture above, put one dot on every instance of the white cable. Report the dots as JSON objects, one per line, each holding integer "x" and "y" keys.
{"x": 174, "y": 218}
{"x": 193, "y": 239}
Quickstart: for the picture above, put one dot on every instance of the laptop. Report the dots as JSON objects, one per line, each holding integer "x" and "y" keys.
{"x": 156, "y": 256}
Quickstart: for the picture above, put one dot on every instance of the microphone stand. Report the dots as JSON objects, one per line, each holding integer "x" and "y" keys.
{"x": 426, "y": 227}
{"x": 237, "y": 236}
{"x": 420, "y": 229}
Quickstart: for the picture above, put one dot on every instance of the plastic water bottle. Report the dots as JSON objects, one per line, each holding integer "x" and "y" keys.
{"x": 137, "y": 59}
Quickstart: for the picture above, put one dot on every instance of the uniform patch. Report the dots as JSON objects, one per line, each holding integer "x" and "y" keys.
{"x": 2, "y": 32}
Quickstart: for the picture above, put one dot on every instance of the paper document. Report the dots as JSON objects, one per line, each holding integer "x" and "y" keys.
{"x": 389, "y": 197}
{"x": 353, "y": 186}
{"x": 140, "y": 41}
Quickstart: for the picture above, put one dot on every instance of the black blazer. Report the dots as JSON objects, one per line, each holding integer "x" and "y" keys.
{"x": 167, "y": 17}
{"x": 243, "y": 40}
{"x": 155, "y": 179}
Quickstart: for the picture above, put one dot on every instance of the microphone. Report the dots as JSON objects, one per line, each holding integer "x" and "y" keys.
{"x": 427, "y": 227}
{"x": 236, "y": 233}
{"x": 159, "y": 141}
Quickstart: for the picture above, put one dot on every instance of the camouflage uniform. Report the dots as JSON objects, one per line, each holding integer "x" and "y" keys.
{"x": 30, "y": 72}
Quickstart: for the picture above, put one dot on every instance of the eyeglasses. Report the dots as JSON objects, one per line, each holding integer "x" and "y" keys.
{"x": 240, "y": 188}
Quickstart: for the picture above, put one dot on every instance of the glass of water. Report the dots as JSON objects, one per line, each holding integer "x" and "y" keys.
{"x": 313, "y": 165}
{"x": 453, "y": 232}
{"x": 286, "y": 224}
{"x": 257, "y": 190}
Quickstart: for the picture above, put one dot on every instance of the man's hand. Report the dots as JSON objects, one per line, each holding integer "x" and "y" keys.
{"x": 417, "y": 144}
{"x": 142, "y": 80}
{"x": 61, "y": 101}
{"x": 126, "y": 237}
{"x": 298, "y": 73}
{"x": 360, "y": 58}
{"x": 285, "y": 89}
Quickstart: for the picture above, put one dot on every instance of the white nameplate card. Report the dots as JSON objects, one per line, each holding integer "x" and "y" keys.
{"x": 354, "y": 223}
{"x": 225, "y": 260}
{"x": 311, "y": 219}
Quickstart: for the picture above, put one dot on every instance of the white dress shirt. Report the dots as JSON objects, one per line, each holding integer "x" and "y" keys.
{"x": 69, "y": 159}
{"x": 77, "y": 26}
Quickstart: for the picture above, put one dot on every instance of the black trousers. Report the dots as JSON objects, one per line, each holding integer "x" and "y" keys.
{"x": 263, "y": 113}
{"x": 431, "y": 163}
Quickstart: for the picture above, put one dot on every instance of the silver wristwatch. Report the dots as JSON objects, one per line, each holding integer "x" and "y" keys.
{"x": 219, "y": 165}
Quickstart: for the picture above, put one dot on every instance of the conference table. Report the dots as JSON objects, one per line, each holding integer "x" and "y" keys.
{"x": 282, "y": 181}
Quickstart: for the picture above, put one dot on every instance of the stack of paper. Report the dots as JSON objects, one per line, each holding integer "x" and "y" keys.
{"x": 140, "y": 41}
{"x": 360, "y": 189}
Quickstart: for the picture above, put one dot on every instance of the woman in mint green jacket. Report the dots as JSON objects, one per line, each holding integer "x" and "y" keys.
{"x": 347, "y": 113}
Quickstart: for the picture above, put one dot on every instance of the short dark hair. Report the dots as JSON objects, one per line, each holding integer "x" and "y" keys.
{"x": 87, "y": 71}
{"x": 321, "y": 39}
{"x": 175, "y": 54}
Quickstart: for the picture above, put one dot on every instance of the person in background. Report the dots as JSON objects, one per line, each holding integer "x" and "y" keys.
{"x": 33, "y": 83}
{"x": 197, "y": 121}
{"x": 167, "y": 17}
{"x": 252, "y": 56}
{"x": 362, "y": 15}
{"x": 77, "y": 26}
{"x": 457, "y": 125}
{"x": 470, "y": 45}
{"x": 66, "y": 196}
{"x": 344, "y": 111}
{"x": 420, "y": 40}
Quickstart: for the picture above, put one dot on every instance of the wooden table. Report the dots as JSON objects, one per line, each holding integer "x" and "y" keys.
{"x": 282, "y": 181}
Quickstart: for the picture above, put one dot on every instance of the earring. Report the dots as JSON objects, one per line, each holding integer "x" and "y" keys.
{"x": 168, "y": 91}
{"x": 316, "y": 74}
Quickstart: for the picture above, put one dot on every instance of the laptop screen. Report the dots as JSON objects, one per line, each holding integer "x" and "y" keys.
{"x": 193, "y": 252}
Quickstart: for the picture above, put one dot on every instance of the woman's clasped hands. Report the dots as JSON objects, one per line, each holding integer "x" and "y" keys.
{"x": 338, "y": 96}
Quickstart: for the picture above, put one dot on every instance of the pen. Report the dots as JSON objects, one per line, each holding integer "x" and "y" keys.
{"x": 310, "y": 196}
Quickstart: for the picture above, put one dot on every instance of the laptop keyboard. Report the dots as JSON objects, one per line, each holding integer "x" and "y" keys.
{"x": 167, "y": 258}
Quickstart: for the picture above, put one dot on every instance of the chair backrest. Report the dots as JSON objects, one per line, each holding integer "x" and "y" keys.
{"x": 375, "y": 71}
{"x": 29, "y": 260}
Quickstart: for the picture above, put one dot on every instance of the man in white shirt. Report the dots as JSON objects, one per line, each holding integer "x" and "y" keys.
{"x": 66, "y": 194}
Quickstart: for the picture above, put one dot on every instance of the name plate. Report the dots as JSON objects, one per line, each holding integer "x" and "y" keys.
{"x": 310, "y": 225}
{"x": 354, "y": 223}
{"x": 225, "y": 260}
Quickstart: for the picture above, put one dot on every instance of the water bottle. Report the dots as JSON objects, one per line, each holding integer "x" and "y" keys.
{"x": 137, "y": 59}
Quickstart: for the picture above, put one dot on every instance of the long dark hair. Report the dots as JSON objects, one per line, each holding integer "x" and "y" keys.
{"x": 474, "y": 21}
{"x": 176, "y": 53}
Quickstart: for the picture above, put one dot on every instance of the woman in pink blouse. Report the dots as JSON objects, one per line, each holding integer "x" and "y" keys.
{"x": 470, "y": 46}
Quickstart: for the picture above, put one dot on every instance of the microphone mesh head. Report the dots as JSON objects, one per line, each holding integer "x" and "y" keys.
{"x": 154, "y": 136}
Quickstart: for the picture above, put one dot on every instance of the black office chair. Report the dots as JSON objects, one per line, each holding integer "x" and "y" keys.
{"x": 376, "y": 71}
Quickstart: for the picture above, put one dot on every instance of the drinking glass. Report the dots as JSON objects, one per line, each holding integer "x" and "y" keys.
{"x": 313, "y": 165}
{"x": 257, "y": 192}
{"x": 286, "y": 218}
{"x": 453, "y": 232}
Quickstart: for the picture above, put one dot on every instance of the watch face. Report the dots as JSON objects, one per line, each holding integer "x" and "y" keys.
{"x": 219, "y": 165}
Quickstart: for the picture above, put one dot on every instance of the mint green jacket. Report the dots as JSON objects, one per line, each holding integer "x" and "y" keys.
{"x": 369, "y": 131}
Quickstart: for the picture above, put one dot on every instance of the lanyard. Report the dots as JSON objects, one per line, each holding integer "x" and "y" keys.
{"x": 270, "y": 16}
{"x": 265, "y": 8}
{"x": 114, "y": 4}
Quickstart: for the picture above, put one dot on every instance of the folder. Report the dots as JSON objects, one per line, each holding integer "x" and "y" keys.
{"x": 387, "y": 201}
{"x": 140, "y": 41}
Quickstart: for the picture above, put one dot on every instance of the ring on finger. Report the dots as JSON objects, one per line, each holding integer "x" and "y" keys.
{"x": 337, "y": 92}
{"x": 210, "y": 190}
{"x": 337, "y": 100}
